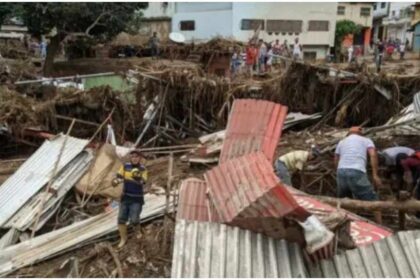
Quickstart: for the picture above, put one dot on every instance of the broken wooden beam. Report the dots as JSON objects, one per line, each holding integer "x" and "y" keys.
{"x": 383, "y": 205}
{"x": 77, "y": 120}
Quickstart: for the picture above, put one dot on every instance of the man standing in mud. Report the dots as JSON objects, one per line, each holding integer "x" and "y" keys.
{"x": 133, "y": 175}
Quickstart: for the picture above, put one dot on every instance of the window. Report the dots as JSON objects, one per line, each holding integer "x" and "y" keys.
{"x": 374, "y": 7}
{"x": 187, "y": 25}
{"x": 341, "y": 10}
{"x": 364, "y": 11}
{"x": 318, "y": 25}
{"x": 252, "y": 24}
{"x": 289, "y": 26}
{"x": 383, "y": 5}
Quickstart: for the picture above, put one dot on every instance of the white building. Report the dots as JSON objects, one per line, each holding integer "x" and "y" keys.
{"x": 157, "y": 18}
{"x": 399, "y": 20}
{"x": 380, "y": 11}
{"x": 313, "y": 23}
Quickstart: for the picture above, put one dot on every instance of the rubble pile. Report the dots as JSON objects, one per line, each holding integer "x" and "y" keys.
{"x": 209, "y": 144}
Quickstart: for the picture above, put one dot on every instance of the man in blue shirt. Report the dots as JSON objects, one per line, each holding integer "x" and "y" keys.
{"x": 134, "y": 177}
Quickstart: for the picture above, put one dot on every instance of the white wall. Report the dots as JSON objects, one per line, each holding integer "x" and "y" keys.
{"x": 207, "y": 24}
{"x": 379, "y": 11}
{"x": 397, "y": 6}
{"x": 352, "y": 12}
{"x": 188, "y": 7}
{"x": 287, "y": 11}
{"x": 155, "y": 9}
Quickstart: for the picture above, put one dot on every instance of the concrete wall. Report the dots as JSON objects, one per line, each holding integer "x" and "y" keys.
{"x": 397, "y": 6}
{"x": 416, "y": 16}
{"x": 190, "y": 7}
{"x": 287, "y": 11}
{"x": 156, "y": 9}
{"x": 224, "y": 19}
{"x": 162, "y": 27}
{"x": 380, "y": 11}
{"x": 352, "y": 12}
{"x": 207, "y": 24}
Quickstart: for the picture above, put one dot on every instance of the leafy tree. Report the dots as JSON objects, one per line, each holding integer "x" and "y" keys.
{"x": 6, "y": 10}
{"x": 96, "y": 20}
{"x": 344, "y": 28}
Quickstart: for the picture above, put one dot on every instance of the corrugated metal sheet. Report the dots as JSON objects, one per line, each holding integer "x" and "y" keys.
{"x": 35, "y": 173}
{"x": 396, "y": 256}
{"x": 9, "y": 238}
{"x": 245, "y": 188}
{"x": 362, "y": 230}
{"x": 254, "y": 125}
{"x": 204, "y": 249}
{"x": 194, "y": 203}
{"x": 64, "y": 239}
{"x": 65, "y": 180}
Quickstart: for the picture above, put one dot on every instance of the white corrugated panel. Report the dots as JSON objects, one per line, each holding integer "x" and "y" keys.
{"x": 65, "y": 180}
{"x": 64, "y": 239}
{"x": 204, "y": 249}
{"x": 396, "y": 256}
{"x": 35, "y": 173}
{"x": 9, "y": 238}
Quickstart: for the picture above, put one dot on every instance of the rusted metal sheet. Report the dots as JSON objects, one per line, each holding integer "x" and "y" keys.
{"x": 194, "y": 203}
{"x": 363, "y": 231}
{"x": 246, "y": 192}
{"x": 254, "y": 125}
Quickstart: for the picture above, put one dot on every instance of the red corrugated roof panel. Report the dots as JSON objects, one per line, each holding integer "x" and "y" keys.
{"x": 254, "y": 125}
{"x": 194, "y": 204}
{"x": 247, "y": 187}
{"x": 363, "y": 231}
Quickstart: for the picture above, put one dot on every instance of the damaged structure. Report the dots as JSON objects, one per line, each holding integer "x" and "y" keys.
{"x": 214, "y": 206}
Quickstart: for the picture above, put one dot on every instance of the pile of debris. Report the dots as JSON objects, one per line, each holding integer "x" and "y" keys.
{"x": 210, "y": 143}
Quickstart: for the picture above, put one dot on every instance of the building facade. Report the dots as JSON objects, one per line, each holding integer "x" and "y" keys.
{"x": 312, "y": 23}
{"x": 157, "y": 18}
{"x": 399, "y": 21}
{"x": 415, "y": 27}
{"x": 361, "y": 14}
{"x": 380, "y": 11}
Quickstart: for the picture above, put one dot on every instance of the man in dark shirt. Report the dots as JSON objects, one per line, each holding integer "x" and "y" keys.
{"x": 411, "y": 166}
{"x": 134, "y": 176}
{"x": 380, "y": 53}
{"x": 154, "y": 45}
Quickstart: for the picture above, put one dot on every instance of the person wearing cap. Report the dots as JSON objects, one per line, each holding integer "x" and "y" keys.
{"x": 291, "y": 162}
{"x": 351, "y": 160}
{"x": 133, "y": 175}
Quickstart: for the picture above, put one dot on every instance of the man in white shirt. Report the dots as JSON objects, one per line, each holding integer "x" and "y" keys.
{"x": 351, "y": 160}
{"x": 402, "y": 50}
{"x": 297, "y": 49}
{"x": 350, "y": 53}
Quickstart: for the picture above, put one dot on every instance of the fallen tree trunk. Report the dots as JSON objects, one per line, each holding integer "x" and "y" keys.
{"x": 353, "y": 204}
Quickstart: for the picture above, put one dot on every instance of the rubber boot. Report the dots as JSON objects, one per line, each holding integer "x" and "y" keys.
{"x": 123, "y": 235}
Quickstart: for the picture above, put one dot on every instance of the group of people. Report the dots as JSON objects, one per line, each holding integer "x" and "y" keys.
{"x": 401, "y": 164}
{"x": 259, "y": 56}
{"x": 387, "y": 48}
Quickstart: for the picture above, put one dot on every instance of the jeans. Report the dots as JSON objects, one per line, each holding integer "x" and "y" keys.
{"x": 352, "y": 182}
{"x": 154, "y": 51}
{"x": 283, "y": 173}
{"x": 130, "y": 210}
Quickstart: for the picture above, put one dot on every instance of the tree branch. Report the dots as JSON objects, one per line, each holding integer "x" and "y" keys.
{"x": 96, "y": 22}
